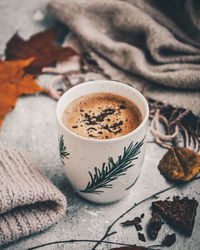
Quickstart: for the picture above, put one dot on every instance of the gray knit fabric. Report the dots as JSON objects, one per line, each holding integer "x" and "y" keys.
{"x": 29, "y": 202}
{"x": 158, "y": 40}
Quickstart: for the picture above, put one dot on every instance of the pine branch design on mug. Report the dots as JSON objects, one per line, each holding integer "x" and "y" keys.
{"x": 62, "y": 149}
{"x": 103, "y": 178}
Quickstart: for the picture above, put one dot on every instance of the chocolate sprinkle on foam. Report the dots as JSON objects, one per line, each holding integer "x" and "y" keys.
{"x": 102, "y": 116}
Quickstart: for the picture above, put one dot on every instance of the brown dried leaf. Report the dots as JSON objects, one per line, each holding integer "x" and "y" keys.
{"x": 41, "y": 47}
{"x": 180, "y": 164}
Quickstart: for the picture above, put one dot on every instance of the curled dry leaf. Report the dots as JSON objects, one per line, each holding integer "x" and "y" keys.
{"x": 13, "y": 83}
{"x": 41, "y": 47}
{"x": 180, "y": 164}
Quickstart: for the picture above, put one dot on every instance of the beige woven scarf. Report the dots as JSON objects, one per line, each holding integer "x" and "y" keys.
{"x": 158, "y": 40}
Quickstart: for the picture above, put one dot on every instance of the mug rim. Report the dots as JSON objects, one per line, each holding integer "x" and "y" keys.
{"x": 146, "y": 115}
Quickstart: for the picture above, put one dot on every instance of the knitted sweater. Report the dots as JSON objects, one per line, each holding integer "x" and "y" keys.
{"x": 29, "y": 202}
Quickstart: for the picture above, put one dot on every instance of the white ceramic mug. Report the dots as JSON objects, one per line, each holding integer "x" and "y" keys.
{"x": 102, "y": 170}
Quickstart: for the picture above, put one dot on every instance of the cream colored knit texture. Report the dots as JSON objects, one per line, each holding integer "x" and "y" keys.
{"x": 158, "y": 40}
{"x": 29, "y": 202}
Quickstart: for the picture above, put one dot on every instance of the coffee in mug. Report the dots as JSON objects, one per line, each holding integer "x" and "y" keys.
{"x": 101, "y": 116}
{"x": 102, "y": 128}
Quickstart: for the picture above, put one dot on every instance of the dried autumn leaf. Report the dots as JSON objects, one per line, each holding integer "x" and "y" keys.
{"x": 180, "y": 164}
{"x": 41, "y": 47}
{"x": 13, "y": 83}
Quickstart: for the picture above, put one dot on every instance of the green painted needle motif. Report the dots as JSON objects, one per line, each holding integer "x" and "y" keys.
{"x": 62, "y": 149}
{"x": 108, "y": 173}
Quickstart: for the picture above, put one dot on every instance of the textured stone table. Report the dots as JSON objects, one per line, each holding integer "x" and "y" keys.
{"x": 31, "y": 127}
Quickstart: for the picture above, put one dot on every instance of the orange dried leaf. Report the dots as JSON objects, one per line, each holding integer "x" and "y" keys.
{"x": 180, "y": 164}
{"x": 13, "y": 83}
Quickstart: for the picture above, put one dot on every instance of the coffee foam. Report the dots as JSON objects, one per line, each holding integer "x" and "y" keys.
{"x": 101, "y": 116}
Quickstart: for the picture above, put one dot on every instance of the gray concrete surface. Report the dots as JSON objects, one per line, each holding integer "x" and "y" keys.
{"x": 31, "y": 127}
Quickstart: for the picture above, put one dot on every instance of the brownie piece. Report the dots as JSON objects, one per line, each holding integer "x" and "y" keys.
{"x": 179, "y": 213}
{"x": 154, "y": 225}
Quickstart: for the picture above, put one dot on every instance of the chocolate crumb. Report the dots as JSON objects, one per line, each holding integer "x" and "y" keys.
{"x": 92, "y": 135}
{"x": 142, "y": 216}
{"x": 141, "y": 237}
{"x": 154, "y": 225}
{"x": 118, "y": 131}
{"x": 136, "y": 220}
{"x": 138, "y": 227}
{"x": 100, "y": 132}
{"x": 169, "y": 240}
{"x": 81, "y": 110}
{"x": 109, "y": 111}
{"x": 74, "y": 126}
{"x": 106, "y": 137}
{"x": 116, "y": 124}
{"x": 122, "y": 107}
{"x": 91, "y": 128}
{"x": 106, "y": 127}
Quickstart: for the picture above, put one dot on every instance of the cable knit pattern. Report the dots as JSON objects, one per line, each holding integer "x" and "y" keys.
{"x": 29, "y": 202}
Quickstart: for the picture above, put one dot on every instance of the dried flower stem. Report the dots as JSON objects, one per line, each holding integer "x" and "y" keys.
{"x": 84, "y": 240}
